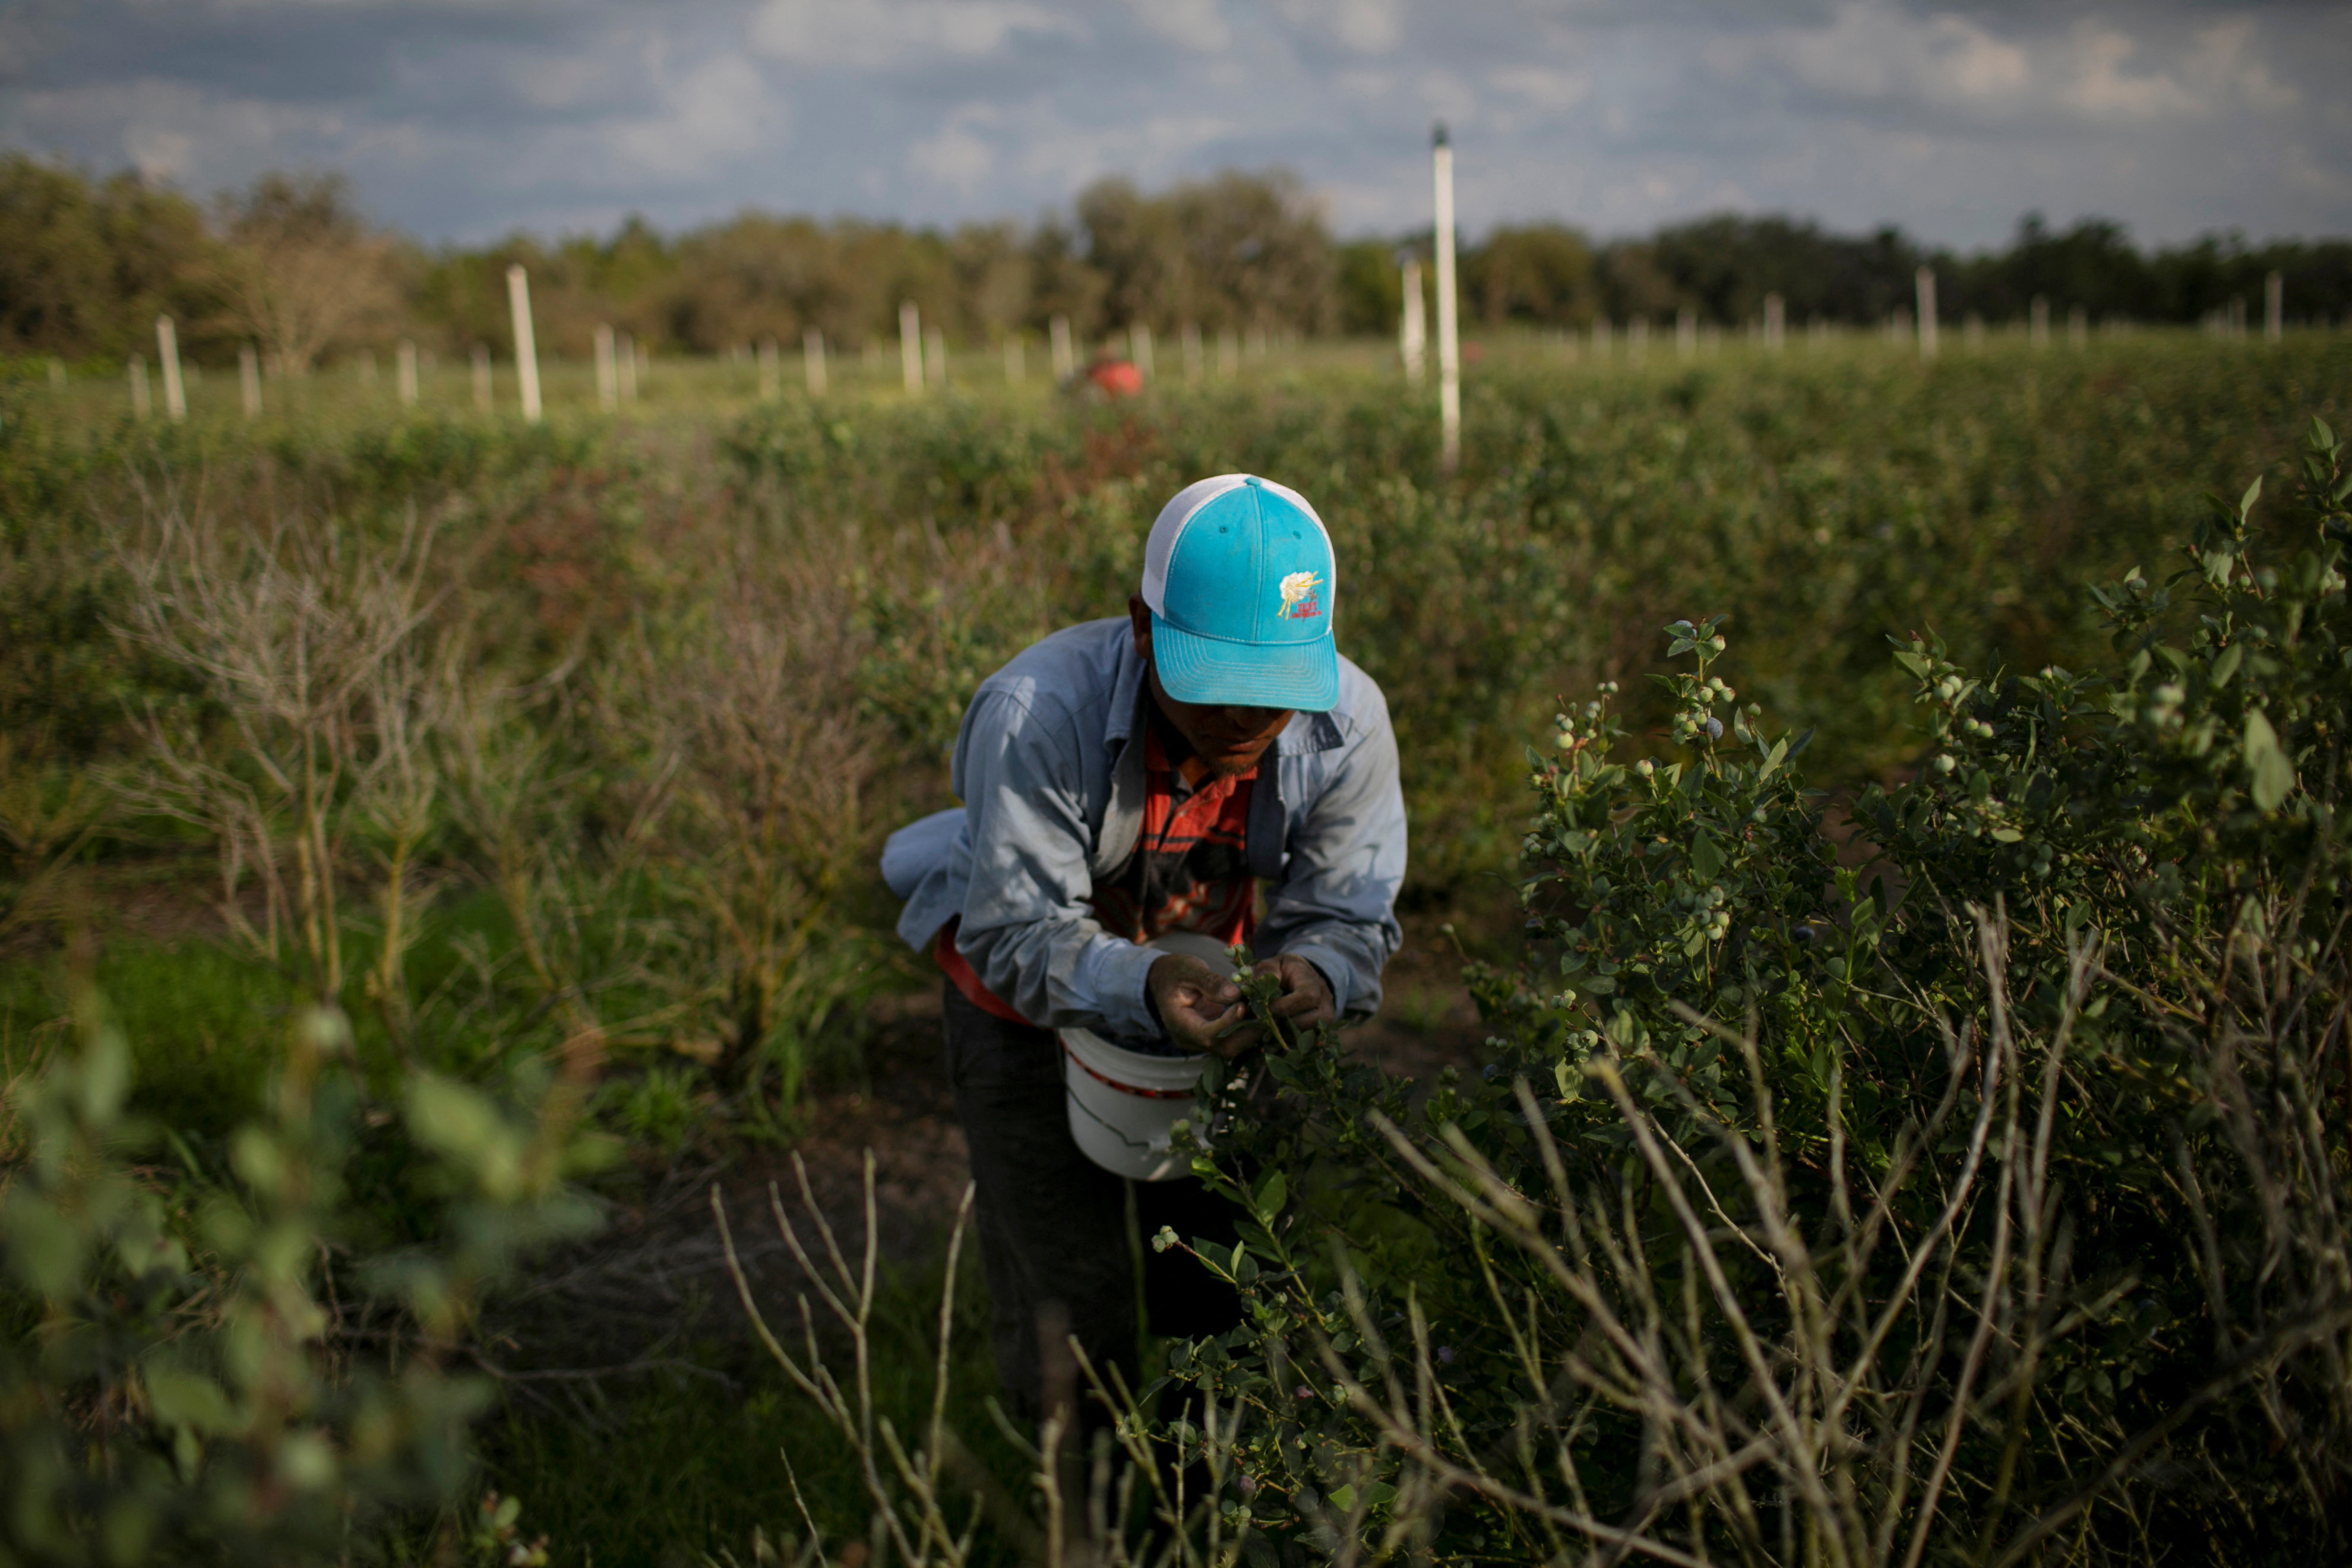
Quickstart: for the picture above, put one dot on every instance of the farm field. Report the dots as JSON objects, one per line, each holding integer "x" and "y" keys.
{"x": 560, "y": 754}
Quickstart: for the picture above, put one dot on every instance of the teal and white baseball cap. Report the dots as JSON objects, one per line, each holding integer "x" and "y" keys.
{"x": 1241, "y": 582}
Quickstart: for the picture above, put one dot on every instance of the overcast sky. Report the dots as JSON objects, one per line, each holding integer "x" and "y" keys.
{"x": 466, "y": 118}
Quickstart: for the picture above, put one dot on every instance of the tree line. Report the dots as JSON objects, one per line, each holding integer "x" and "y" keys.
{"x": 291, "y": 265}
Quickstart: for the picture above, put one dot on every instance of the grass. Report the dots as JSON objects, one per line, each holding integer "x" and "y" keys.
{"x": 190, "y": 1010}
{"x": 669, "y": 1466}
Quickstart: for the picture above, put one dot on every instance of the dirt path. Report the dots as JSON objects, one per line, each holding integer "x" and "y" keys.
{"x": 653, "y": 1287}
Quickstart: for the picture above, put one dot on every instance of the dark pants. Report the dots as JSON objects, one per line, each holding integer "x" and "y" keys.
{"x": 1053, "y": 1233}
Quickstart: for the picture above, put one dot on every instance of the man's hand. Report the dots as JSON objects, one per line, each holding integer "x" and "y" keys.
{"x": 1201, "y": 1009}
{"x": 1305, "y": 1000}
{"x": 1197, "y": 1004}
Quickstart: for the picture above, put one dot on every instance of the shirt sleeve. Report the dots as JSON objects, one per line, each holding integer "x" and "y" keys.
{"x": 1336, "y": 904}
{"x": 1026, "y": 929}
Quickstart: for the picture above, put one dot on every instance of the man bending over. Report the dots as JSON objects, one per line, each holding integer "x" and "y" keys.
{"x": 1122, "y": 780}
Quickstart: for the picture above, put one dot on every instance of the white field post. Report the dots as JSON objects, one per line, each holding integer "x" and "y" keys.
{"x": 167, "y": 355}
{"x": 1923, "y": 284}
{"x": 624, "y": 364}
{"x": 526, "y": 344}
{"x": 403, "y": 363}
{"x": 911, "y": 346}
{"x": 1413, "y": 324}
{"x": 770, "y": 374}
{"x": 1065, "y": 359}
{"x": 139, "y": 406}
{"x": 482, "y": 377}
{"x": 1194, "y": 358}
{"x": 935, "y": 356}
{"x": 2037, "y": 330}
{"x": 608, "y": 374}
{"x": 1017, "y": 358}
{"x": 2078, "y": 327}
{"x": 1139, "y": 342}
{"x": 2274, "y": 305}
{"x": 812, "y": 359}
{"x": 1685, "y": 333}
{"x": 1776, "y": 322}
{"x": 248, "y": 380}
{"x": 1449, "y": 342}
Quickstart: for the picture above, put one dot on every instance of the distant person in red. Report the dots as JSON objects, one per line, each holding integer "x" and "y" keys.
{"x": 1114, "y": 377}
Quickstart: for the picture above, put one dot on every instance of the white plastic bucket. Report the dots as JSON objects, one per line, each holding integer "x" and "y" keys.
{"x": 1124, "y": 1105}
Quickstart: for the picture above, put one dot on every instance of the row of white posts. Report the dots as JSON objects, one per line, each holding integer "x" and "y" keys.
{"x": 613, "y": 385}
{"x": 248, "y": 374}
{"x": 621, "y": 361}
{"x": 923, "y": 361}
{"x": 1924, "y": 326}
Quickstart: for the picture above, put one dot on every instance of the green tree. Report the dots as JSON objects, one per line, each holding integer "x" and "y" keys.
{"x": 86, "y": 267}
{"x": 1544, "y": 272}
{"x": 298, "y": 270}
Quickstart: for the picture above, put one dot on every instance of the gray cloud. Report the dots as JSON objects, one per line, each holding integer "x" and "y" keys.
{"x": 466, "y": 117}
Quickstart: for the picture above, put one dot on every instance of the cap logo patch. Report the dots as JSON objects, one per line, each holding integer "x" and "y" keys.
{"x": 1299, "y": 600}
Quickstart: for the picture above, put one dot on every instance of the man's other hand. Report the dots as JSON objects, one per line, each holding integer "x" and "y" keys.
{"x": 1305, "y": 1000}
{"x": 1198, "y": 1004}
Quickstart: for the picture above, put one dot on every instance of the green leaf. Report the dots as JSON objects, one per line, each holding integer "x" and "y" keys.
{"x": 1566, "y": 1077}
{"x": 2253, "y": 493}
{"x": 1773, "y": 758}
{"x": 182, "y": 1398}
{"x": 47, "y": 1248}
{"x": 1270, "y": 1197}
{"x": 451, "y": 1118}
{"x": 2227, "y": 664}
{"x": 2274, "y": 774}
{"x": 1706, "y": 858}
{"x": 105, "y": 1076}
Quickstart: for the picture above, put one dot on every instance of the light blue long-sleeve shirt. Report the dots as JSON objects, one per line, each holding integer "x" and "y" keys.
{"x": 1049, "y": 765}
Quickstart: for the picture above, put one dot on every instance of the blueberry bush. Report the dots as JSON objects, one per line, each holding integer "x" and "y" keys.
{"x": 1951, "y": 1172}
